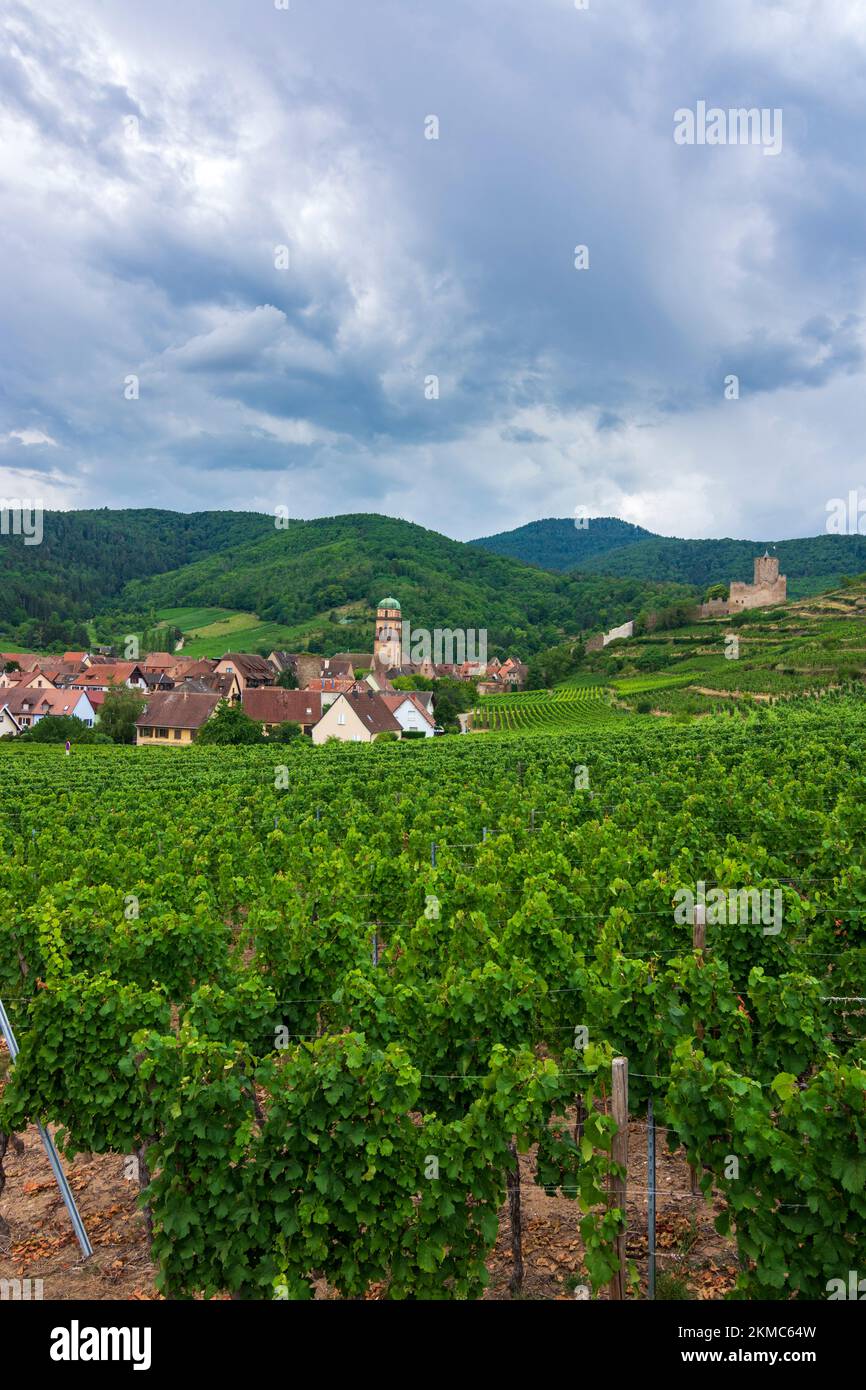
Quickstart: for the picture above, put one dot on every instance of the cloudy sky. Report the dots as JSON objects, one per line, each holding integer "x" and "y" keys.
{"x": 232, "y": 212}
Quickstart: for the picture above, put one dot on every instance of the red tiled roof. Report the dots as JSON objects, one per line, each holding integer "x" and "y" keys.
{"x": 177, "y": 709}
{"x": 342, "y": 684}
{"x": 43, "y": 701}
{"x": 26, "y": 660}
{"x": 273, "y": 705}
{"x": 116, "y": 674}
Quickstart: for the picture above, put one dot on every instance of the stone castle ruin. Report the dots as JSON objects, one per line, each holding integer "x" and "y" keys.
{"x": 768, "y": 587}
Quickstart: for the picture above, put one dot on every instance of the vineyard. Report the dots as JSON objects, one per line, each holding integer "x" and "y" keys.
{"x": 326, "y": 1004}
{"x": 544, "y": 711}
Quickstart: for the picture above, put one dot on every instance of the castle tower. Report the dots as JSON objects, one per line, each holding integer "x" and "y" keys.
{"x": 766, "y": 570}
{"x": 388, "y": 648}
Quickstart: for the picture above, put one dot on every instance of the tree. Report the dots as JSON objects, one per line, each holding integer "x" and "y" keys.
{"x": 120, "y": 709}
{"x": 716, "y": 591}
{"x": 57, "y": 728}
{"x": 286, "y": 732}
{"x": 230, "y": 725}
{"x": 287, "y": 680}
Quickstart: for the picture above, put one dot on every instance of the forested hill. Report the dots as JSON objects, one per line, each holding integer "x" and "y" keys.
{"x": 349, "y": 562}
{"x": 823, "y": 558}
{"x": 559, "y": 544}
{"x": 86, "y": 557}
{"x": 609, "y": 546}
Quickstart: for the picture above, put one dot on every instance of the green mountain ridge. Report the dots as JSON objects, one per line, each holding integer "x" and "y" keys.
{"x": 559, "y": 543}
{"x": 609, "y": 546}
{"x": 346, "y": 564}
{"x": 321, "y": 579}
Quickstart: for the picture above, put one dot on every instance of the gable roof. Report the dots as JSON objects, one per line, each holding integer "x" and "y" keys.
{"x": 250, "y": 666}
{"x": 157, "y": 661}
{"x": 43, "y": 701}
{"x": 273, "y": 705}
{"x": 372, "y": 711}
{"x": 116, "y": 673}
{"x": 395, "y": 701}
{"x": 177, "y": 709}
{"x": 26, "y": 660}
{"x": 361, "y": 661}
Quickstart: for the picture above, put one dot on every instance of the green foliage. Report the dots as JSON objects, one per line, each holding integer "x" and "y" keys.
{"x": 187, "y": 952}
{"x": 286, "y": 732}
{"x": 229, "y": 724}
{"x": 57, "y": 728}
{"x": 120, "y": 709}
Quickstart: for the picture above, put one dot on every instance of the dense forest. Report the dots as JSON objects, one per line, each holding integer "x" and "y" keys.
{"x": 561, "y": 544}
{"x": 85, "y": 558}
{"x": 608, "y": 546}
{"x": 349, "y": 562}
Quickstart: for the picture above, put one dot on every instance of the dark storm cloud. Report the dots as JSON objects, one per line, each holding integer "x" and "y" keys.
{"x": 158, "y": 162}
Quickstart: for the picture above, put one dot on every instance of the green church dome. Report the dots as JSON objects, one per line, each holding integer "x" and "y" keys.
{"x": 389, "y": 603}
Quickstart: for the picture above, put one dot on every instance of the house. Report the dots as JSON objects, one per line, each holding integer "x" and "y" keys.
{"x": 359, "y": 661}
{"x": 104, "y": 676}
{"x": 174, "y": 717}
{"x": 25, "y": 661}
{"x": 9, "y": 725}
{"x": 273, "y": 706}
{"x": 328, "y": 688}
{"x": 304, "y": 666}
{"x": 251, "y": 671}
{"x": 512, "y": 672}
{"x": 76, "y": 659}
{"x": 26, "y": 680}
{"x": 356, "y": 718}
{"x": 410, "y": 713}
{"x": 156, "y": 680}
{"x": 29, "y": 706}
{"x": 227, "y": 687}
{"x": 180, "y": 670}
{"x": 158, "y": 661}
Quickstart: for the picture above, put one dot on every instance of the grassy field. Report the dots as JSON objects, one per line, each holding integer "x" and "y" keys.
{"x": 215, "y": 631}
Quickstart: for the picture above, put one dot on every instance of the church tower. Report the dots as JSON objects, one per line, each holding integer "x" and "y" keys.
{"x": 387, "y": 648}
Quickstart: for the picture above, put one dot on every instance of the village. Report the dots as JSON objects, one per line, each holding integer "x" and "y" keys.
{"x": 350, "y": 697}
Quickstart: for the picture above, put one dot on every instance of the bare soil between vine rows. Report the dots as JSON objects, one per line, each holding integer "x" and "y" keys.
{"x": 40, "y": 1243}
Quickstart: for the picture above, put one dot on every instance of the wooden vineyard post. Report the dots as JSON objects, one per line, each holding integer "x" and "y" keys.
{"x": 651, "y": 1195}
{"x": 515, "y": 1216}
{"x": 619, "y": 1154}
{"x": 699, "y": 942}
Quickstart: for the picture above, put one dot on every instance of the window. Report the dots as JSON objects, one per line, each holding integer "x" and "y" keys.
{"x": 160, "y": 733}
{"x": 177, "y": 733}
{"x": 341, "y": 717}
